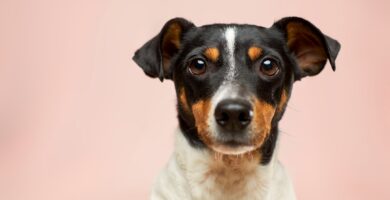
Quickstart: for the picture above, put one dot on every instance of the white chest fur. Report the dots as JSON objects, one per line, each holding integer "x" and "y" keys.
{"x": 194, "y": 174}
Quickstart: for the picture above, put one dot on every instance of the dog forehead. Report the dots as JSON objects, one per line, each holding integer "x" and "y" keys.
{"x": 215, "y": 34}
{"x": 244, "y": 36}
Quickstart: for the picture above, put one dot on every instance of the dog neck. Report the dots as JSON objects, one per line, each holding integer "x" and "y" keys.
{"x": 206, "y": 170}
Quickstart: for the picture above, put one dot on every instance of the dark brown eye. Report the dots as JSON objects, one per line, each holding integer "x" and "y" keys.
{"x": 269, "y": 67}
{"x": 197, "y": 66}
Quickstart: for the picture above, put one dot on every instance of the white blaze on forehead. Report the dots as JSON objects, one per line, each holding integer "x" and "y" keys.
{"x": 230, "y": 36}
{"x": 228, "y": 89}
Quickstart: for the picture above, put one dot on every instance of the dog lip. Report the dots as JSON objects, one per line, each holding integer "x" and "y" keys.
{"x": 232, "y": 148}
{"x": 234, "y": 143}
{"x": 233, "y": 139}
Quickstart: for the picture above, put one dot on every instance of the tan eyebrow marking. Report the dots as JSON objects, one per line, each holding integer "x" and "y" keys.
{"x": 212, "y": 54}
{"x": 254, "y": 52}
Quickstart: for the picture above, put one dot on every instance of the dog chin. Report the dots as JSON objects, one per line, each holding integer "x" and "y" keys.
{"x": 228, "y": 150}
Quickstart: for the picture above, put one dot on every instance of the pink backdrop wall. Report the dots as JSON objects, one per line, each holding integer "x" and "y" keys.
{"x": 80, "y": 121}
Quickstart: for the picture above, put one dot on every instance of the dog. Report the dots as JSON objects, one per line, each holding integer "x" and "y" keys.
{"x": 233, "y": 82}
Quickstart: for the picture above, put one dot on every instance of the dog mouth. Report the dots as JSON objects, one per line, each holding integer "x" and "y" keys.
{"x": 235, "y": 149}
{"x": 232, "y": 147}
{"x": 233, "y": 143}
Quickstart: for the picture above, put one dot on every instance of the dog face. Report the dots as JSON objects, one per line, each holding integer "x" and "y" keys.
{"x": 233, "y": 81}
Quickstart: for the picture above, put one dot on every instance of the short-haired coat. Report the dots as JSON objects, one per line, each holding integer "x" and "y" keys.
{"x": 233, "y": 82}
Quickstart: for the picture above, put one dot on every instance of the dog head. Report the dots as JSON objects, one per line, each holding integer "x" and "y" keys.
{"x": 233, "y": 81}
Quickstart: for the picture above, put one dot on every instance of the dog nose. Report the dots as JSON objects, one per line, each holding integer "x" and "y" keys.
{"x": 233, "y": 115}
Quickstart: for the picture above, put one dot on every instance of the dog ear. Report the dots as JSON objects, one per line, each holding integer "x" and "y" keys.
{"x": 155, "y": 56}
{"x": 308, "y": 44}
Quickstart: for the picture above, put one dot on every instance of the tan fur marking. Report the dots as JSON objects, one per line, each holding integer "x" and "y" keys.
{"x": 311, "y": 43}
{"x": 283, "y": 101}
{"x": 212, "y": 54}
{"x": 263, "y": 114}
{"x": 173, "y": 35}
{"x": 235, "y": 161}
{"x": 254, "y": 53}
{"x": 171, "y": 38}
{"x": 231, "y": 172}
{"x": 200, "y": 110}
{"x": 183, "y": 100}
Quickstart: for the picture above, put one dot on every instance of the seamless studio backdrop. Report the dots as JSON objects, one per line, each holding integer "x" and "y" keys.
{"x": 79, "y": 120}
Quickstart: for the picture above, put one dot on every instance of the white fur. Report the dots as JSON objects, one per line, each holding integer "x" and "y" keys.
{"x": 230, "y": 36}
{"x": 192, "y": 174}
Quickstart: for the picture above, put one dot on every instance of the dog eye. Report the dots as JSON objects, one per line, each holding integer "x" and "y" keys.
{"x": 269, "y": 67}
{"x": 197, "y": 66}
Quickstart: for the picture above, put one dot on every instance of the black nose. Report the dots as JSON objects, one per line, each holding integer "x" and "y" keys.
{"x": 233, "y": 115}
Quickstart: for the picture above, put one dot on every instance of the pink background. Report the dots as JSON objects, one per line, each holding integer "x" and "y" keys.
{"x": 79, "y": 120}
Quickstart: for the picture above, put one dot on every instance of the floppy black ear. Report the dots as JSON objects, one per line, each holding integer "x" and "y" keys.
{"x": 308, "y": 44}
{"x": 155, "y": 56}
